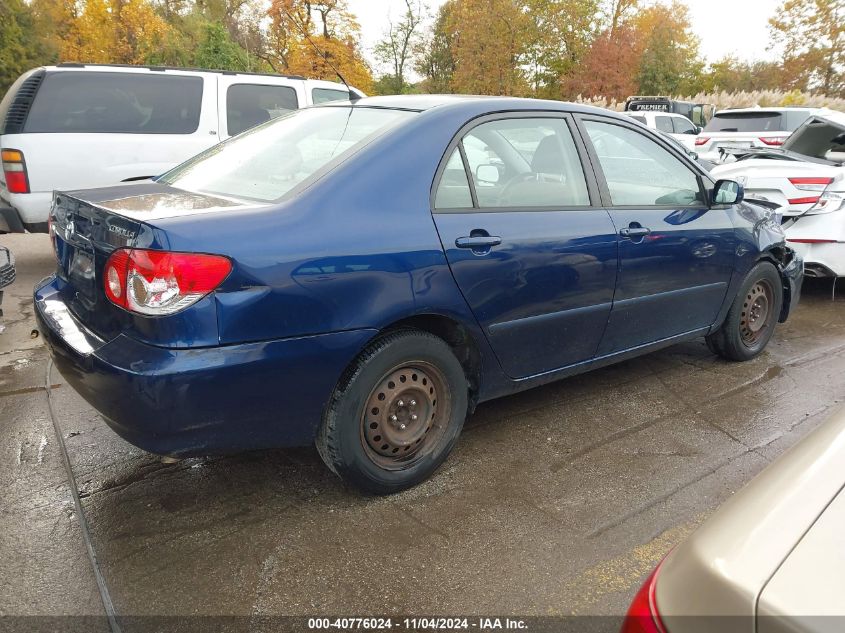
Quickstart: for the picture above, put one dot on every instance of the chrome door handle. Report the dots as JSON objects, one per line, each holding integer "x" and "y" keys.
{"x": 478, "y": 241}
{"x": 634, "y": 232}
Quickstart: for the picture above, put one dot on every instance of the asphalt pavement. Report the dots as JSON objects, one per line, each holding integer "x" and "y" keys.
{"x": 556, "y": 501}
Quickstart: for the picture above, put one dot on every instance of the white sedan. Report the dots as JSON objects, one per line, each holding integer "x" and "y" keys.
{"x": 806, "y": 178}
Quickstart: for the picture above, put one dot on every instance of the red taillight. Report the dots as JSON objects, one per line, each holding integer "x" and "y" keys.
{"x": 807, "y": 200}
{"x": 643, "y": 616}
{"x": 161, "y": 282}
{"x": 701, "y": 140}
{"x": 809, "y": 241}
{"x": 811, "y": 183}
{"x": 773, "y": 141}
{"x": 14, "y": 171}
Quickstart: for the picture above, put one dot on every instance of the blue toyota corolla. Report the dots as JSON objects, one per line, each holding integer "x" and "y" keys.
{"x": 360, "y": 276}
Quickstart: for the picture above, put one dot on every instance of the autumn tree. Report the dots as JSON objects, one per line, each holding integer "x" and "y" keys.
{"x": 315, "y": 37}
{"x": 560, "y": 35}
{"x": 489, "y": 45}
{"x": 610, "y": 67}
{"x": 811, "y": 35}
{"x": 669, "y": 60}
{"x": 730, "y": 74}
{"x": 114, "y": 31}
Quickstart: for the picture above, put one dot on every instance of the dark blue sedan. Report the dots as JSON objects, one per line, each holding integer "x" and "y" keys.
{"x": 361, "y": 276}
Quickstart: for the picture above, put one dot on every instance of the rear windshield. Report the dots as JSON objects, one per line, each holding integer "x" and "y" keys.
{"x": 117, "y": 103}
{"x": 267, "y": 161}
{"x": 747, "y": 122}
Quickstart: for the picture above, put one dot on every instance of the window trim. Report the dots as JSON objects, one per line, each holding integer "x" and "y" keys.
{"x": 705, "y": 182}
{"x": 256, "y": 85}
{"x": 593, "y": 191}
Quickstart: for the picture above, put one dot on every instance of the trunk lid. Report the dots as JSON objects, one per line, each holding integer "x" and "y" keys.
{"x": 88, "y": 226}
{"x": 820, "y": 137}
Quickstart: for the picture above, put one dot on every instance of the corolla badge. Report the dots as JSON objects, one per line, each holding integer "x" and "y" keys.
{"x": 119, "y": 230}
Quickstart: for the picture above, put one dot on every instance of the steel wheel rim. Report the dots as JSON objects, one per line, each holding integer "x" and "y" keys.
{"x": 757, "y": 312}
{"x": 405, "y": 415}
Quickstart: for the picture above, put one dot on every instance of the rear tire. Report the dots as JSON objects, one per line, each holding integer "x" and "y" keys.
{"x": 752, "y": 318}
{"x": 396, "y": 413}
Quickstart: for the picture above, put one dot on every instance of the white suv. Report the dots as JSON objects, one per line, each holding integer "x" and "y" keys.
{"x": 78, "y": 126}
{"x": 676, "y": 125}
{"x": 745, "y": 128}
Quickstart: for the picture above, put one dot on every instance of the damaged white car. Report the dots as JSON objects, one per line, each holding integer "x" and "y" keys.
{"x": 805, "y": 177}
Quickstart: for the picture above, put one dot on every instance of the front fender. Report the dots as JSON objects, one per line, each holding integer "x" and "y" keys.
{"x": 761, "y": 238}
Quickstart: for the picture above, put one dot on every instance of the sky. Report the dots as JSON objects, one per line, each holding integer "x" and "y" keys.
{"x": 724, "y": 27}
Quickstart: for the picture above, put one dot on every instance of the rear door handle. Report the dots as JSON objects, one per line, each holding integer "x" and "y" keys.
{"x": 478, "y": 241}
{"x": 634, "y": 232}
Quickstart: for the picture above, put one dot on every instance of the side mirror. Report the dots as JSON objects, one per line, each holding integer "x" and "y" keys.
{"x": 728, "y": 192}
{"x": 488, "y": 174}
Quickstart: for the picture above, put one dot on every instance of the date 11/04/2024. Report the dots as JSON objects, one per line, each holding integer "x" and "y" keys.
{"x": 417, "y": 624}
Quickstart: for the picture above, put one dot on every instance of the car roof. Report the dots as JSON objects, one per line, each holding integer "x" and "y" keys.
{"x": 470, "y": 103}
{"x": 767, "y": 110}
{"x": 129, "y": 68}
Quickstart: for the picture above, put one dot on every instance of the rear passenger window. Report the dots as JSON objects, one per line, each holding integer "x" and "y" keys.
{"x": 525, "y": 163}
{"x": 453, "y": 191}
{"x": 664, "y": 124}
{"x": 324, "y": 95}
{"x": 248, "y": 105}
{"x": 683, "y": 125}
{"x": 110, "y": 102}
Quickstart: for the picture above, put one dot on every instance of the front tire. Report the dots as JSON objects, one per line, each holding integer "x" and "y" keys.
{"x": 396, "y": 413}
{"x": 752, "y": 318}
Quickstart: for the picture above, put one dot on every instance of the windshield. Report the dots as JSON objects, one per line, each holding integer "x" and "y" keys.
{"x": 747, "y": 122}
{"x": 267, "y": 161}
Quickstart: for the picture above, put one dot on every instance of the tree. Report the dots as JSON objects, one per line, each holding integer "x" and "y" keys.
{"x": 618, "y": 12}
{"x": 218, "y": 51}
{"x": 398, "y": 45}
{"x": 561, "y": 34}
{"x": 434, "y": 59}
{"x": 811, "y": 34}
{"x": 15, "y": 31}
{"x": 315, "y": 37}
{"x": 669, "y": 62}
{"x": 114, "y": 31}
{"x": 732, "y": 75}
{"x": 489, "y": 45}
{"x": 609, "y": 69}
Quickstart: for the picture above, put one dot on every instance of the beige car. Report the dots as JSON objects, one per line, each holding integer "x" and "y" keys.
{"x": 771, "y": 560}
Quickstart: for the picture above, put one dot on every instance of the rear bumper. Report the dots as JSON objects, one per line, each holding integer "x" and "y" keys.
{"x": 25, "y": 211}
{"x": 198, "y": 401}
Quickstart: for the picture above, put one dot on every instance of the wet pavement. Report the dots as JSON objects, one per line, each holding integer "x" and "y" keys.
{"x": 556, "y": 501}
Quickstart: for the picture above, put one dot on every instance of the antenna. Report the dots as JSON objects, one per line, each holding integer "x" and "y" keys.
{"x": 353, "y": 96}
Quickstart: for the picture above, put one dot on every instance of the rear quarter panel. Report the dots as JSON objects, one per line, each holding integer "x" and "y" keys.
{"x": 357, "y": 250}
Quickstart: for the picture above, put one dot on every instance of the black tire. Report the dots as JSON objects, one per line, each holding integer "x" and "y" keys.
{"x": 752, "y": 318}
{"x": 396, "y": 413}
